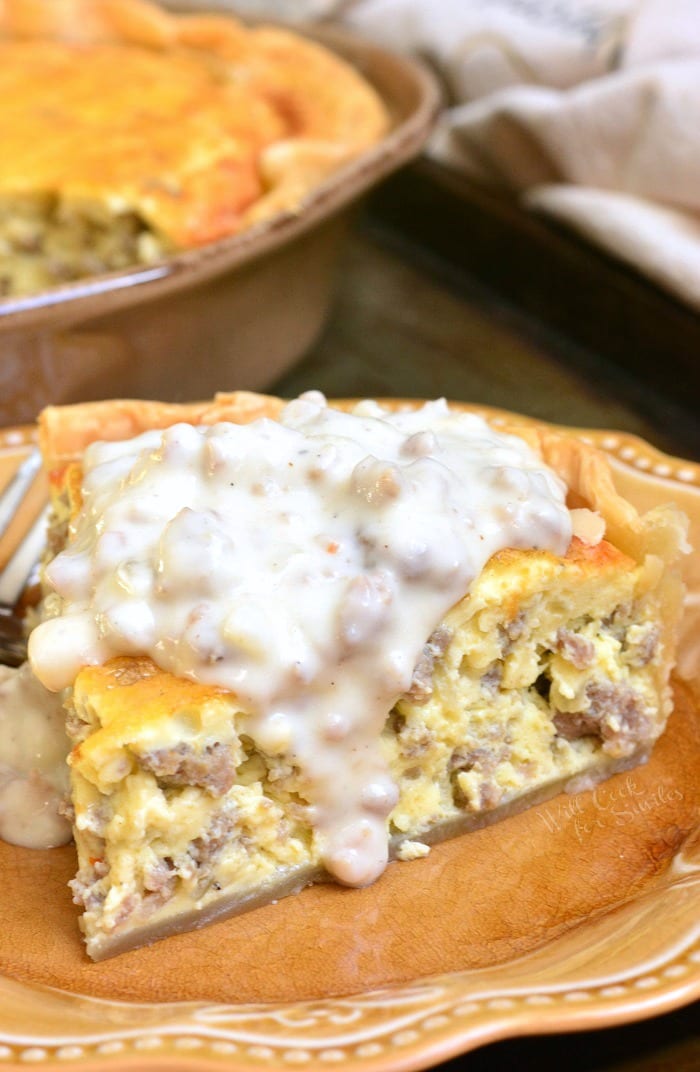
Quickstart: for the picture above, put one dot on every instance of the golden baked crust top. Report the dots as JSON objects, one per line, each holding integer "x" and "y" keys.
{"x": 197, "y": 124}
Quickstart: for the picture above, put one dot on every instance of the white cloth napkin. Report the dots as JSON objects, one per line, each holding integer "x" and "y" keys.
{"x": 588, "y": 110}
{"x": 285, "y": 10}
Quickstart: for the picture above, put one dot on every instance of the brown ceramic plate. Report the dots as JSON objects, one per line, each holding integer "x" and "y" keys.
{"x": 583, "y": 912}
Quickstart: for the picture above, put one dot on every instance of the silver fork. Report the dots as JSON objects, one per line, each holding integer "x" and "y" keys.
{"x": 22, "y": 566}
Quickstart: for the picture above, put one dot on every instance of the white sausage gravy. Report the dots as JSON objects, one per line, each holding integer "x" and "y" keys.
{"x": 33, "y": 770}
{"x": 302, "y": 564}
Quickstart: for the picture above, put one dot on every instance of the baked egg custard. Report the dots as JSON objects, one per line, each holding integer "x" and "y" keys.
{"x": 129, "y": 133}
{"x": 298, "y": 639}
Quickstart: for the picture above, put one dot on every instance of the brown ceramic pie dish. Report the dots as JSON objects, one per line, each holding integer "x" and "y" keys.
{"x": 234, "y": 312}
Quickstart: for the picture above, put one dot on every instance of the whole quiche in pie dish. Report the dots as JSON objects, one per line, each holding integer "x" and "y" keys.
{"x": 130, "y": 132}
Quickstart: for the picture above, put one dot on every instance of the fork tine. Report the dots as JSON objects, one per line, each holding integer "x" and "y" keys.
{"x": 17, "y": 571}
{"x": 17, "y": 488}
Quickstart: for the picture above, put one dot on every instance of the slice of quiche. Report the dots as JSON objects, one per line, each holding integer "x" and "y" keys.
{"x": 299, "y": 639}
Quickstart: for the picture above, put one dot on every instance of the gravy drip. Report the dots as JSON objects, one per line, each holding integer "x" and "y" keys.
{"x": 301, "y": 564}
{"x": 33, "y": 770}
